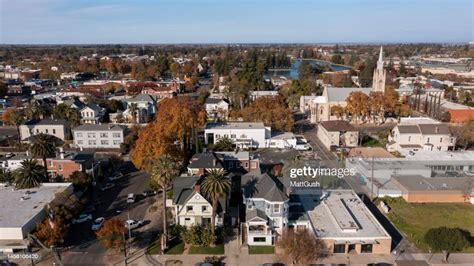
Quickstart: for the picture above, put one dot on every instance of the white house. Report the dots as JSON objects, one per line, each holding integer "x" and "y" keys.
{"x": 189, "y": 206}
{"x": 99, "y": 136}
{"x": 92, "y": 114}
{"x": 257, "y": 94}
{"x": 408, "y": 138}
{"x": 217, "y": 108}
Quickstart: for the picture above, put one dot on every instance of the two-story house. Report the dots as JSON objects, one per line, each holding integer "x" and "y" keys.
{"x": 189, "y": 205}
{"x": 337, "y": 134}
{"x": 217, "y": 108}
{"x": 267, "y": 208}
{"x": 92, "y": 114}
{"x": 242, "y": 134}
{"x": 55, "y": 127}
{"x": 411, "y": 138}
{"x": 241, "y": 161}
{"x": 141, "y": 107}
{"x": 108, "y": 136}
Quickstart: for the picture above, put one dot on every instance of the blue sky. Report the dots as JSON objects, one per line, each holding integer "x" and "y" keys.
{"x": 227, "y": 21}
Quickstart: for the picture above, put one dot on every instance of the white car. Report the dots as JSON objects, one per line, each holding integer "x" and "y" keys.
{"x": 131, "y": 198}
{"x": 82, "y": 218}
{"x": 132, "y": 224}
{"x": 116, "y": 176}
{"x": 107, "y": 186}
{"x": 98, "y": 223}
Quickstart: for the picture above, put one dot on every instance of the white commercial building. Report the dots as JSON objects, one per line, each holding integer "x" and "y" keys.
{"x": 242, "y": 134}
{"x": 22, "y": 210}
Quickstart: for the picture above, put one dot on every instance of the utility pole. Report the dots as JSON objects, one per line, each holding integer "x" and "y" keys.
{"x": 124, "y": 248}
{"x": 372, "y": 180}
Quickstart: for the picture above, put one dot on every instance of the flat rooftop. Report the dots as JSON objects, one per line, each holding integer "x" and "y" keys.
{"x": 236, "y": 125}
{"x": 341, "y": 215}
{"x": 420, "y": 183}
{"x": 16, "y": 212}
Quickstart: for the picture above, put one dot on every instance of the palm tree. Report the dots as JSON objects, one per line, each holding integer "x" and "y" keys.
{"x": 43, "y": 145}
{"x": 162, "y": 172}
{"x": 214, "y": 186}
{"x": 6, "y": 176}
{"x": 16, "y": 119}
{"x": 29, "y": 175}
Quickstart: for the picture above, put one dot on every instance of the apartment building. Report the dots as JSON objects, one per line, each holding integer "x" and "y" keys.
{"x": 242, "y": 134}
{"x": 106, "y": 136}
{"x": 55, "y": 127}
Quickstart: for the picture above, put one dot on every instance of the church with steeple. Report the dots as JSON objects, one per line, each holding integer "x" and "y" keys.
{"x": 378, "y": 82}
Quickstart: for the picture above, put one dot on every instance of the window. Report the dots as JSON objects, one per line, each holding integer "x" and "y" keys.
{"x": 276, "y": 208}
{"x": 187, "y": 219}
{"x": 79, "y": 135}
{"x": 92, "y": 142}
{"x": 60, "y": 167}
{"x": 189, "y": 208}
{"x": 116, "y": 135}
{"x": 243, "y": 136}
{"x": 91, "y": 135}
{"x": 218, "y": 136}
{"x": 116, "y": 142}
{"x": 226, "y": 136}
{"x": 366, "y": 248}
{"x": 428, "y": 140}
{"x": 409, "y": 138}
{"x": 37, "y": 131}
{"x": 51, "y": 163}
{"x": 249, "y": 206}
{"x": 104, "y": 135}
{"x": 104, "y": 142}
{"x": 231, "y": 165}
{"x": 246, "y": 164}
{"x": 204, "y": 208}
{"x": 259, "y": 239}
{"x": 54, "y": 131}
{"x": 232, "y": 136}
{"x": 46, "y": 130}
{"x": 340, "y": 248}
{"x": 440, "y": 140}
{"x": 268, "y": 207}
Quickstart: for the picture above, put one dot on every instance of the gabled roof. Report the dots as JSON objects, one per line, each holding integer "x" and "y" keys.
{"x": 257, "y": 185}
{"x": 142, "y": 97}
{"x": 93, "y": 106}
{"x": 215, "y": 101}
{"x": 102, "y": 127}
{"x": 206, "y": 160}
{"x": 256, "y": 214}
{"x": 425, "y": 129}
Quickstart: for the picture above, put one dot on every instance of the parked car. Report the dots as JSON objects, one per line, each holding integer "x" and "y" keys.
{"x": 107, "y": 186}
{"x": 98, "y": 223}
{"x": 131, "y": 198}
{"x": 82, "y": 218}
{"x": 133, "y": 224}
{"x": 116, "y": 176}
{"x": 149, "y": 193}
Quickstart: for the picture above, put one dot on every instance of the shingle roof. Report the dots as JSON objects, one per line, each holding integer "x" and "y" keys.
{"x": 258, "y": 185}
{"x": 337, "y": 126}
{"x": 206, "y": 160}
{"x": 214, "y": 100}
{"x": 142, "y": 97}
{"x": 252, "y": 214}
{"x": 236, "y": 125}
{"x": 408, "y": 129}
{"x": 426, "y": 129}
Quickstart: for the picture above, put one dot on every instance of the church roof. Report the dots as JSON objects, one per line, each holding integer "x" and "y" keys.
{"x": 340, "y": 94}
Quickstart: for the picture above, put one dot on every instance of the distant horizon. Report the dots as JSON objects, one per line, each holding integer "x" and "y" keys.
{"x": 85, "y": 22}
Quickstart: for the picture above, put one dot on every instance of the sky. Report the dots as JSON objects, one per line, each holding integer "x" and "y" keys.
{"x": 232, "y": 21}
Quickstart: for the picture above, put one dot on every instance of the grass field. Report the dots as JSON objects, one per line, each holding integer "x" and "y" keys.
{"x": 415, "y": 219}
{"x": 261, "y": 249}
{"x": 219, "y": 249}
{"x": 174, "y": 248}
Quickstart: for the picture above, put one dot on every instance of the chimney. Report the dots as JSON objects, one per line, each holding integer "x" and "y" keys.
{"x": 197, "y": 188}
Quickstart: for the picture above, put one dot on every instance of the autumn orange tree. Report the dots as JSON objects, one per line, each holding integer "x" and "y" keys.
{"x": 338, "y": 111}
{"x": 377, "y": 104}
{"x": 51, "y": 233}
{"x": 358, "y": 104}
{"x": 174, "y": 131}
{"x": 111, "y": 234}
{"x": 272, "y": 111}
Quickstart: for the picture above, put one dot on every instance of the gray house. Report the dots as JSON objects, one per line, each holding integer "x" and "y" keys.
{"x": 267, "y": 208}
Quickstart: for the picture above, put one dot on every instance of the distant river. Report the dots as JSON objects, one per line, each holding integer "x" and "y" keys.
{"x": 293, "y": 72}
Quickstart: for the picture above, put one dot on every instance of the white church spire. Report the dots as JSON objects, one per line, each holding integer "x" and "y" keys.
{"x": 378, "y": 81}
{"x": 380, "y": 61}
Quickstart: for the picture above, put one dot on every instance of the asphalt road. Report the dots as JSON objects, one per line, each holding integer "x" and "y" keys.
{"x": 85, "y": 249}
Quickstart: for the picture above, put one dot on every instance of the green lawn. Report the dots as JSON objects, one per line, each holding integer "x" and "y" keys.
{"x": 368, "y": 141}
{"x": 261, "y": 249}
{"x": 415, "y": 219}
{"x": 219, "y": 249}
{"x": 175, "y": 247}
